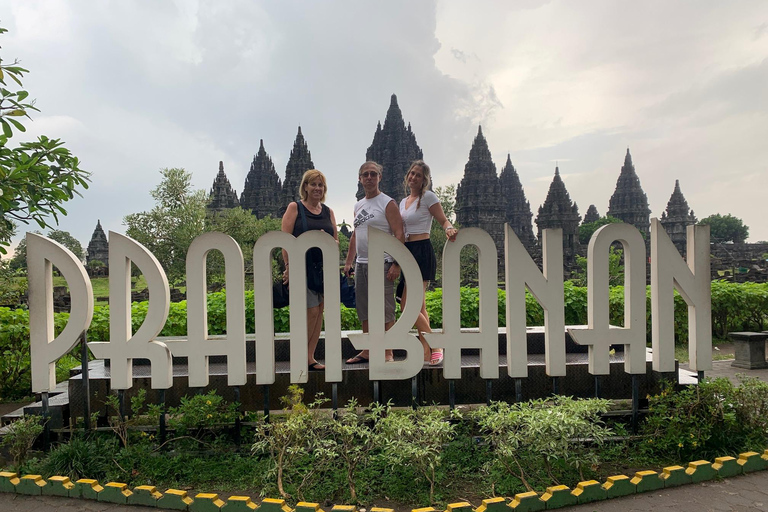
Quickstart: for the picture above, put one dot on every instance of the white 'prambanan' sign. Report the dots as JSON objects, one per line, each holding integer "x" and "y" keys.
{"x": 669, "y": 272}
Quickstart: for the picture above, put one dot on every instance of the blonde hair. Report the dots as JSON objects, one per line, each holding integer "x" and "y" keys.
{"x": 370, "y": 163}
{"x": 424, "y": 185}
{"x": 309, "y": 176}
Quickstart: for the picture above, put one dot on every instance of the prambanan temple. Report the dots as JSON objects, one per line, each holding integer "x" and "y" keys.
{"x": 485, "y": 198}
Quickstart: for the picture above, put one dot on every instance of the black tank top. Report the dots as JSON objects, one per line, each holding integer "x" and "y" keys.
{"x": 320, "y": 221}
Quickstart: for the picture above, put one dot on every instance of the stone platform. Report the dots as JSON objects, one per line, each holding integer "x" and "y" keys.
{"x": 432, "y": 387}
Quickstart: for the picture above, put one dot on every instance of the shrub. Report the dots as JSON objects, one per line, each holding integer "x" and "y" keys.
{"x": 199, "y": 414}
{"x": 20, "y": 437}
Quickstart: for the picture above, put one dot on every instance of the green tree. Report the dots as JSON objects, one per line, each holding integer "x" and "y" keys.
{"x": 19, "y": 261}
{"x": 168, "y": 229}
{"x": 36, "y": 177}
{"x": 447, "y": 197}
{"x": 726, "y": 228}
{"x": 615, "y": 269}
{"x": 586, "y": 230}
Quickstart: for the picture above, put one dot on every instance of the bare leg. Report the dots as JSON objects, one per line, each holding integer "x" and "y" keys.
{"x": 314, "y": 325}
{"x": 422, "y": 322}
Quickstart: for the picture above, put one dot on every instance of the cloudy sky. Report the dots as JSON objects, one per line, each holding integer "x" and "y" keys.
{"x": 133, "y": 87}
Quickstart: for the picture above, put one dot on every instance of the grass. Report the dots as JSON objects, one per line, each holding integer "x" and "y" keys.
{"x": 101, "y": 285}
{"x": 681, "y": 351}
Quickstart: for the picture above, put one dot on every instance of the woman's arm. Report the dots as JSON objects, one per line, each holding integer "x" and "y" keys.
{"x": 395, "y": 220}
{"x": 437, "y": 212}
{"x": 351, "y": 253}
{"x": 335, "y": 227}
{"x": 286, "y": 226}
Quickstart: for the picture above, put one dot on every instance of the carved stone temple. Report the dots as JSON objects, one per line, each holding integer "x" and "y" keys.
{"x": 558, "y": 211}
{"x": 591, "y": 215}
{"x": 222, "y": 195}
{"x": 98, "y": 247}
{"x": 394, "y": 147}
{"x": 299, "y": 162}
{"x": 677, "y": 218}
{"x": 262, "y": 193}
{"x": 517, "y": 209}
{"x": 629, "y": 203}
{"x": 478, "y": 197}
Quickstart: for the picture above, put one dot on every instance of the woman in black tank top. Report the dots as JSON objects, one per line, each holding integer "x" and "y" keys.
{"x": 318, "y": 216}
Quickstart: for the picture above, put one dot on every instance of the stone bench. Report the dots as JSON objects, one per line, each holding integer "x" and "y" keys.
{"x": 749, "y": 349}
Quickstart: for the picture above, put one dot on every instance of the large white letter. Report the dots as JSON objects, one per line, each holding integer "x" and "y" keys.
{"x": 124, "y": 346}
{"x": 668, "y": 271}
{"x": 199, "y": 347}
{"x": 377, "y": 340}
{"x": 548, "y": 291}
{"x": 487, "y": 337}
{"x": 265, "y": 327}
{"x": 42, "y": 254}
{"x": 600, "y": 336}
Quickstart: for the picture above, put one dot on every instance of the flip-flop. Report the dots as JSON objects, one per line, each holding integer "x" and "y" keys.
{"x": 437, "y": 357}
{"x": 357, "y": 359}
{"x": 316, "y": 367}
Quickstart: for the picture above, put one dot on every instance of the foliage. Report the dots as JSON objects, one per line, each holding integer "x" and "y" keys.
{"x": 415, "y": 438}
{"x": 36, "y": 177}
{"x": 726, "y": 228}
{"x": 177, "y": 219}
{"x": 587, "y": 229}
{"x": 287, "y": 441}
{"x": 447, "y": 197}
{"x": 199, "y": 414}
{"x": 122, "y": 425}
{"x": 19, "y": 260}
{"x": 707, "y": 420}
{"x": 81, "y": 457}
{"x": 524, "y": 435}
{"x": 20, "y": 437}
{"x": 615, "y": 268}
{"x": 12, "y": 285}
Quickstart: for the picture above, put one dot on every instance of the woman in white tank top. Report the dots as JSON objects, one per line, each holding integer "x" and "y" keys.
{"x": 418, "y": 209}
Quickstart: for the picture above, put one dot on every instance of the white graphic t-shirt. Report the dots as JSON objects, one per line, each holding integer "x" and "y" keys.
{"x": 370, "y": 212}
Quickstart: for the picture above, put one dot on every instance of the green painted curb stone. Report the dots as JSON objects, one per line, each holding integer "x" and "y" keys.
{"x": 273, "y": 505}
{"x": 751, "y": 461}
{"x": 239, "y": 504}
{"x": 493, "y": 505}
{"x": 462, "y": 506}
{"x": 145, "y": 495}
{"x": 727, "y": 466}
{"x": 619, "y": 485}
{"x": 304, "y": 506}
{"x": 700, "y": 471}
{"x": 206, "y": 502}
{"x": 647, "y": 481}
{"x": 8, "y": 481}
{"x": 558, "y": 496}
{"x": 86, "y": 488}
{"x": 58, "y": 486}
{"x": 589, "y": 491}
{"x": 527, "y": 502}
{"x": 115, "y": 492}
{"x": 674, "y": 476}
{"x": 30, "y": 485}
{"x": 174, "y": 499}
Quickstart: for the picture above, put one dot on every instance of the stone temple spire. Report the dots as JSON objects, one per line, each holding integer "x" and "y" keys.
{"x": 299, "y": 163}
{"x": 558, "y": 211}
{"x": 222, "y": 196}
{"x": 478, "y": 196}
{"x": 629, "y": 203}
{"x": 394, "y": 147}
{"x": 591, "y": 215}
{"x": 262, "y": 190}
{"x": 677, "y": 218}
{"x": 517, "y": 209}
{"x": 98, "y": 247}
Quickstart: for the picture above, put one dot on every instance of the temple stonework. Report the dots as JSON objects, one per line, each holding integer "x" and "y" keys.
{"x": 478, "y": 197}
{"x": 394, "y": 147}
{"x": 558, "y": 211}
{"x": 222, "y": 195}
{"x": 98, "y": 247}
{"x": 677, "y": 218}
{"x": 591, "y": 215}
{"x": 517, "y": 209}
{"x": 262, "y": 193}
{"x": 299, "y": 162}
{"x": 629, "y": 203}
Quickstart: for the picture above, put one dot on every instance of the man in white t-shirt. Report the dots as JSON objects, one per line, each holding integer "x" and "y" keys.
{"x": 376, "y": 210}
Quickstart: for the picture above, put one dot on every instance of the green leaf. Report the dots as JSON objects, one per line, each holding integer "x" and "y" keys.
{"x": 6, "y": 128}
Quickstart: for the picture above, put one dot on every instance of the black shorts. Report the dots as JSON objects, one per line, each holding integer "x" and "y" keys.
{"x": 424, "y": 253}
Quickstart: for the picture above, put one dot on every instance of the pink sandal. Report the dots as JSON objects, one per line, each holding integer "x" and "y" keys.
{"x": 437, "y": 357}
